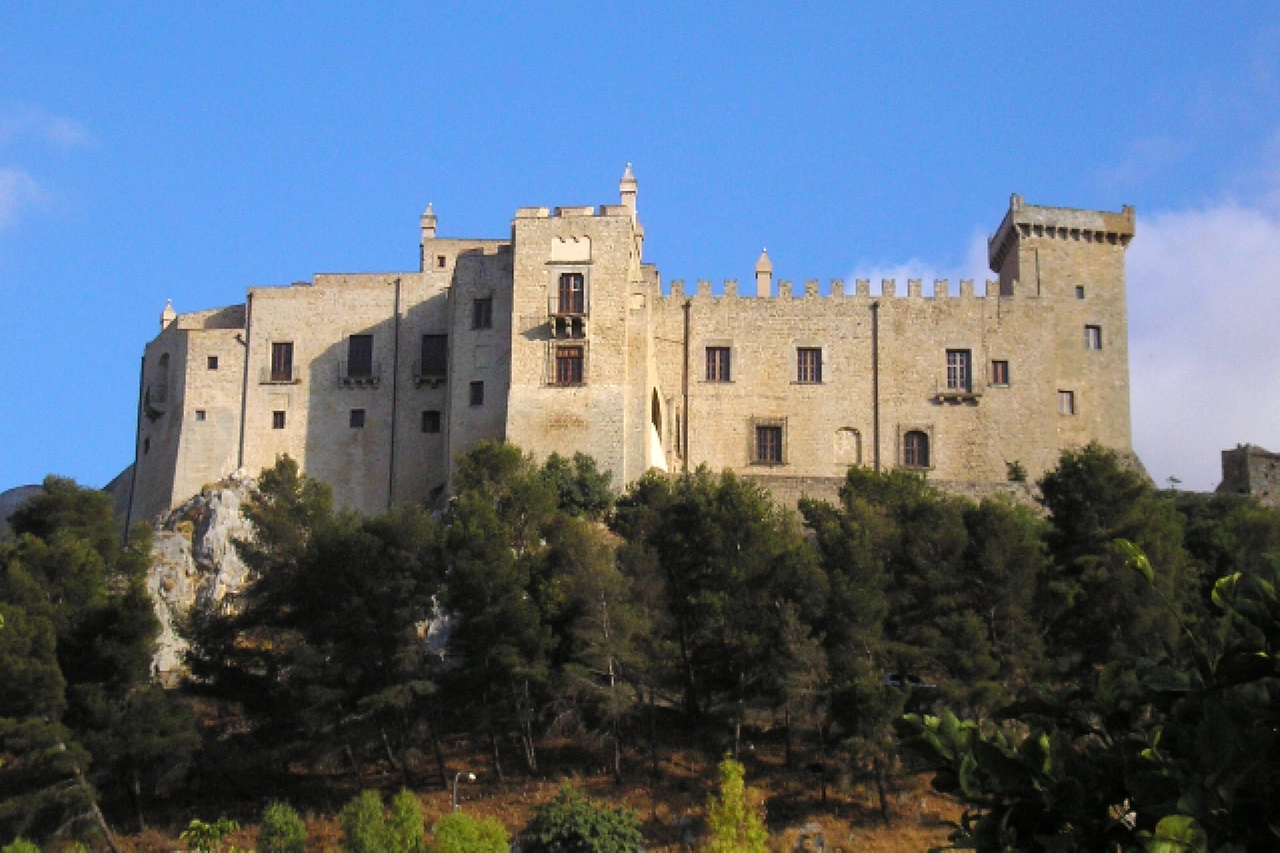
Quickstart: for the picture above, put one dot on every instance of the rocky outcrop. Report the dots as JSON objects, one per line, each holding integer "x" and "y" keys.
{"x": 11, "y": 499}
{"x": 195, "y": 564}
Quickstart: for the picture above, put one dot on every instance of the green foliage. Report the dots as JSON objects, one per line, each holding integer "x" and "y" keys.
{"x": 1176, "y": 756}
{"x": 202, "y": 837}
{"x": 462, "y": 833}
{"x": 76, "y": 655}
{"x": 572, "y": 823}
{"x": 367, "y": 828}
{"x": 581, "y": 488}
{"x": 281, "y": 830}
{"x": 734, "y": 818}
{"x": 20, "y": 845}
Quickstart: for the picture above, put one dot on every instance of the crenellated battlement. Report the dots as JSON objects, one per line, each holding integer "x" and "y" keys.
{"x": 811, "y": 289}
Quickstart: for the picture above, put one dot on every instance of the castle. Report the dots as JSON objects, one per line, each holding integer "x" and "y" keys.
{"x": 559, "y": 338}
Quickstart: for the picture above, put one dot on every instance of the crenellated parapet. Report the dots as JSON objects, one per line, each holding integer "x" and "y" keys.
{"x": 838, "y": 290}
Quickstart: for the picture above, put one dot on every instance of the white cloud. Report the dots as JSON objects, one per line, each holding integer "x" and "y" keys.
{"x": 974, "y": 267}
{"x": 1204, "y": 319}
{"x": 22, "y": 121}
{"x": 17, "y": 190}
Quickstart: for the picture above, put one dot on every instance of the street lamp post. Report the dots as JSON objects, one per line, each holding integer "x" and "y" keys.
{"x": 471, "y": 777}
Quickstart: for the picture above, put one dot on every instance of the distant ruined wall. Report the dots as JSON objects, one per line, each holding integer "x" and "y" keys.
{"x": 1250, "y": 470}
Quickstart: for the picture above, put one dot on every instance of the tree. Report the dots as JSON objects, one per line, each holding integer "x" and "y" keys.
{"x": 281, "y": 830}
{"x": 368, "y": 828}
{"x": 571, "y": 823}
{"x": 462, "y": 833}
{"x": 734, "y": 817}
{"x": 581, "y": 487}
{"x": 1093, "y": 608}
{"x": 81, "y": 715}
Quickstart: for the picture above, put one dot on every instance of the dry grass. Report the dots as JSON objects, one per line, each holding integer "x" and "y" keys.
{"x": 671, "y": 811}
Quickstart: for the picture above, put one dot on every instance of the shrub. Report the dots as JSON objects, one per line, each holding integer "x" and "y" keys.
{"x": 736, "y": 823}
{"x": 363, "y": 828}
{"x": 20, "y": 845}
{"x": 571, "y": 823}
{"x": 405, "y": 827}
{"x": 281, "y": 830}
{"x": 460, "y": 833}
{"x": 204, "y": 837}
{"x": 366, "y": 828}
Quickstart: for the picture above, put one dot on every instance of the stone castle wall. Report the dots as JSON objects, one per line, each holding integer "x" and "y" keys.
{"x": 646, "y": 400}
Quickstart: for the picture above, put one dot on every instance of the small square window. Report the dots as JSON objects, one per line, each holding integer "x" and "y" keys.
{"x": 357, "y": 418}
{"x": 200, "y": 414}
{"x": 768, "y": 445}
{"x": 430, "y": 422}
{"x": 1093, "y": 337}
{"x": 477, "y": 393}
{"x": 482, "y": 313}
{"x": 277, "y": 420}
{"x": 213, "y": 362}
{"x": 1066, "y": 402}
{"x": 1079, "y": 292}
{"x": 718, "y": 364}
{"x": 1000, "y": 373}
{"x": 440, "y": 262}
{"x": 808, "y": 364}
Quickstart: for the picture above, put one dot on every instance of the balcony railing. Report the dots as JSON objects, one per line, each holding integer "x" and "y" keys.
{"x": 433, "y": 376}
{"x": 363, "y": 374}
{"x": 567, "y": 304}
{"x": 954, "y": 393}
{"x": 267, "y": 376}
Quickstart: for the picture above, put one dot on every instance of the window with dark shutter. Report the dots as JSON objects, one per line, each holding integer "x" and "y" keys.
{"x": 568, "y": 365}
{"x": 360, "y": 355}
{"x": 808, "y": 364}
{"x": 482, "y": 313}
{"x": 435, "y": 355}
{"x": 718, "y": 367}
{"x": 915, "y": 450}
{"x": 769, "y": 445}
{"x": 282, "y": 362}
{"x": 572, "y": 293}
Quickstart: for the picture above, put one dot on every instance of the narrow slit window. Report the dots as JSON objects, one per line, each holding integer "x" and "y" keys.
{"x": 1000, "y": 373}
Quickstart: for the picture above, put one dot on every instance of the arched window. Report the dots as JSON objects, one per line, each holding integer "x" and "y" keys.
{"x": 915, "y": 450}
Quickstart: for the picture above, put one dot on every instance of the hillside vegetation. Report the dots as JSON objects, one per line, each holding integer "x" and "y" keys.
{"x": 1098, "y": 674}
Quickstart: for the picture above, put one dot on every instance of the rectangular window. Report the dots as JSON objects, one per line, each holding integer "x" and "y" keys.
{"x": 999, "y": 373}
{"x": 477, "y": 393}
{"x": 568, "y": 365}
{"x": 282, "y": 362}
{"x": 1079, "y": 292}
{"x": 959, "y": 373}
{"x": 769, "y": 445}
{"x": 200, "y": 414}
{"x": 1066, "y": 402}
{"x": 431, "y": 422}
{"x": 482, "y": 313}
{"x": 360, "y": 355}
{"x": 1093, "y": 337}
{"x": 808, "y": 364}
{"x": 213, "y": 362}
{"x": 357, "y": 419}
{"x": 440, "y": 262}
{"x": 435, "y": 355}
{"x": 718, "y": 369}
{"x": 277, "y": 420}
{"x": 571, "y": 294}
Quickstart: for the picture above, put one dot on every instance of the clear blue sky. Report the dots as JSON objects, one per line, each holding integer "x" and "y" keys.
{"x": 189, "y": 151}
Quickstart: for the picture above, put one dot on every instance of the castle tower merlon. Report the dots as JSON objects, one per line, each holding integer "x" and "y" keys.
{"x": 764, "y": 274}
{"x": 1025, "y": 222}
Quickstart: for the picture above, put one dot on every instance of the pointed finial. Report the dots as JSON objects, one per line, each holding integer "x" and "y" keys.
{"x": 168, "y": 315}
{"x": 429, "y": 211}
{"x": 764, "y": 264}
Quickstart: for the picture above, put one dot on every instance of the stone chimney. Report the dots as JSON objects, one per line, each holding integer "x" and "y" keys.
{"x": 764, "y": 274}
{"x": 168, "y": 315}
